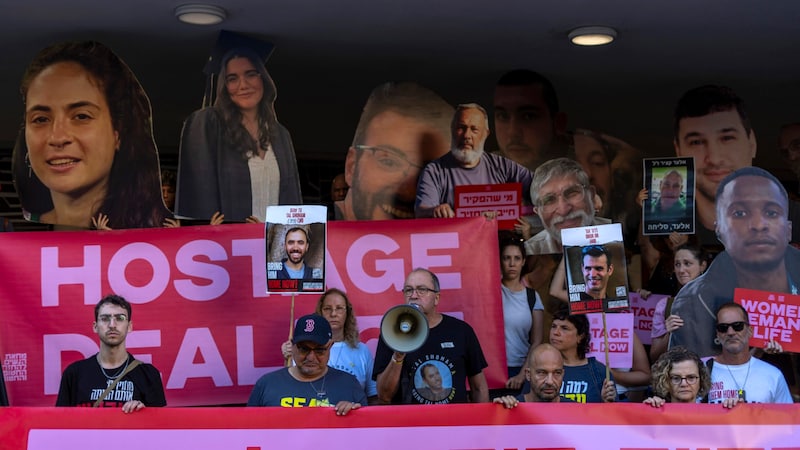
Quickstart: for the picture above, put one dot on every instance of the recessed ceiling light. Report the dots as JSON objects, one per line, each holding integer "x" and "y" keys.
{"x": 589, "y": 36}
{"x": 198, "y": 14}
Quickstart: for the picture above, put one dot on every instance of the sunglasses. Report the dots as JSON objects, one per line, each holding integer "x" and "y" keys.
{"x": 723, "y": 327}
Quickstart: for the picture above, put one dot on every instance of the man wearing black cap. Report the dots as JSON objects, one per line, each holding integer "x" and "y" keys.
{"x": 310, "y": 382}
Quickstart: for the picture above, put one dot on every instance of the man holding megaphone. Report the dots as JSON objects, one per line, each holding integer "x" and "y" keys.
{"x": 417, "y": 339}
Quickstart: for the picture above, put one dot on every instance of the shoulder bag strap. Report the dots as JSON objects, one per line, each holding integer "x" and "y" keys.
{"x": 111, "y": 386}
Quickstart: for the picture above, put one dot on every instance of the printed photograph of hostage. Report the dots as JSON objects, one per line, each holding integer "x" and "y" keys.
{"x": 668, "y": 196}
{"x": 595, "y": 269}
{"x": 86, "y": 156}
{"x": 295, "y": 248}
{"x": 433, "y": 381}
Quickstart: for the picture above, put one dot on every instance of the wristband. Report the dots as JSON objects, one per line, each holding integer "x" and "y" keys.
{"x": 396, "y": 361}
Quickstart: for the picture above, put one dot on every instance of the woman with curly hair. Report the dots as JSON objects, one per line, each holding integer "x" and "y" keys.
{"x": 679, "y": 376}
{"x": 88, "y": 145}
{"x": 347, "y": 352}
{"x": 235, "y": 158}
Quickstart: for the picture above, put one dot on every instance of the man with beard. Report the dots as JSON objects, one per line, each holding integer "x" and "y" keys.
{"x": 545, "y": 372}
{"x": 135, "y": 384}
{"x": 296, "y": 244}
{"x": 466, "y": 164}
{"x": 671, "y": 202}
{"x": 403, "y": 127}
{"x": 310, "y": 382}
{"x": 736, "y": 376}
{"x": 562, "y": 198}
{"x": 753, "y": 224}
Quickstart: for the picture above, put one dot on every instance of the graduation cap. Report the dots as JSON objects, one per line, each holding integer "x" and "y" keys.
{"x": 227, "y": 41}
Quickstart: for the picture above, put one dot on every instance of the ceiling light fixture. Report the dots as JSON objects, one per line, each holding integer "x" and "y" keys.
{"x": 589, "y": 36}
{"x": 198, "y": 14}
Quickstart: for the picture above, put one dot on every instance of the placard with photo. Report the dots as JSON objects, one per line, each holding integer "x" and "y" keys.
{"x": 295, "y": 246}
{"x": 596, "y": 270}
{"x": 670, "y": 201}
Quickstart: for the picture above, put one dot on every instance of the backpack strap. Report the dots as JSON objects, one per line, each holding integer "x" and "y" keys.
{"x": 531, "y": 298}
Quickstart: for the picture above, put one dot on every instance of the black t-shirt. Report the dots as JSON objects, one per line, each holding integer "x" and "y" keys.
{"x": 452, "y": 349}
{"x": 83, "y": 382}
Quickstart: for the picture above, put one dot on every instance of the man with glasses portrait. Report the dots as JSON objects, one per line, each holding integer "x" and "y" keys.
{"x": 452, "y": 348}
{"x": 736, "y": 376}
{"x": 310, "y": 382}
{"x": 135, "y": 384}
{"x": 466, "y": 164}
{"x": 403, "y": 126}
{"x": 562, "y": 198}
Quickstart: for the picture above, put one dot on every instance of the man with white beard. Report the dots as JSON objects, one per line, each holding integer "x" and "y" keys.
{"x": 466, "y": 164}
{"x": 562, "y": 198}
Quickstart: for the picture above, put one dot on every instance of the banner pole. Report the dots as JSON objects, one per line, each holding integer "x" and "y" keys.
{"x": 288, "y": 362}
{"x": 605, "y": 340}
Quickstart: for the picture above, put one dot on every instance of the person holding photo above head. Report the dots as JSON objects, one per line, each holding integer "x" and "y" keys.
{"x": 679, "y": 376}
{"x": 690, "y": 263}
{"x": 347, "y": 352}
{"x": 88, "y": 147}
{"x": 451, "y": 342}
{"x": 112, "y": 377}
{"x": 545, "y": 372}
{"x": 235, "y": 158}
{"x": 523, "y": 312}
{"x": 310, "y": 382}
{"x": 584, "y": 378}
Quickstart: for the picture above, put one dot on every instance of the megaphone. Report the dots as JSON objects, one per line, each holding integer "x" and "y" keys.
{"x": 404, "y": 328}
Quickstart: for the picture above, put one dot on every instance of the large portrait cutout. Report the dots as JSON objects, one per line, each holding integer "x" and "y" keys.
{"x": 86, "y": 148}
{"x": 403, "y": 127}
{"x": 235, "y": 158}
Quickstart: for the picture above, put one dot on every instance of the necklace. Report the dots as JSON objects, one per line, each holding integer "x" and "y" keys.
{"x": 739, "y": 389}
{"x": 119, "y": 372}
{"x": 321, "y": 391}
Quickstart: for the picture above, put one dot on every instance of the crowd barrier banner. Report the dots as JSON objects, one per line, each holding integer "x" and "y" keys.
{"x": 201, "y": 313}
{"x": 463, "y": 427}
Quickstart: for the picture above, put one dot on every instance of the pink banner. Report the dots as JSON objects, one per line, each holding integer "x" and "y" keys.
{"x": 620, "y": 339}
{"x": 643, "y": 310}
{"x": 201, "y": 314}
{"x": 479, "y": 427}
{"x": 773, "y": 316}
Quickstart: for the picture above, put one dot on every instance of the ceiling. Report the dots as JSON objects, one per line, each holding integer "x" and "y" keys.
{"x": 330, "y": 53}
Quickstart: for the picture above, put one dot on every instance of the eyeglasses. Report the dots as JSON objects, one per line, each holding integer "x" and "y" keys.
{"x": 690, "y": 380}
{"x": 304, "y": 349}
{"x": 389, "y": 159}
{"x": 420, "y": 290}
{"x": 723, "y": 327}
{"x": 589, "y": 249}
{"x": 106, "y": 318}
{"x": 331, "y": 309}
{"x": 571, "y": 194}
{"x": 250, "y": 77}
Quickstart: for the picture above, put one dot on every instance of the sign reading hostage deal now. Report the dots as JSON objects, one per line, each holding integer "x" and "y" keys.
{"x": 201, "y": 313}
